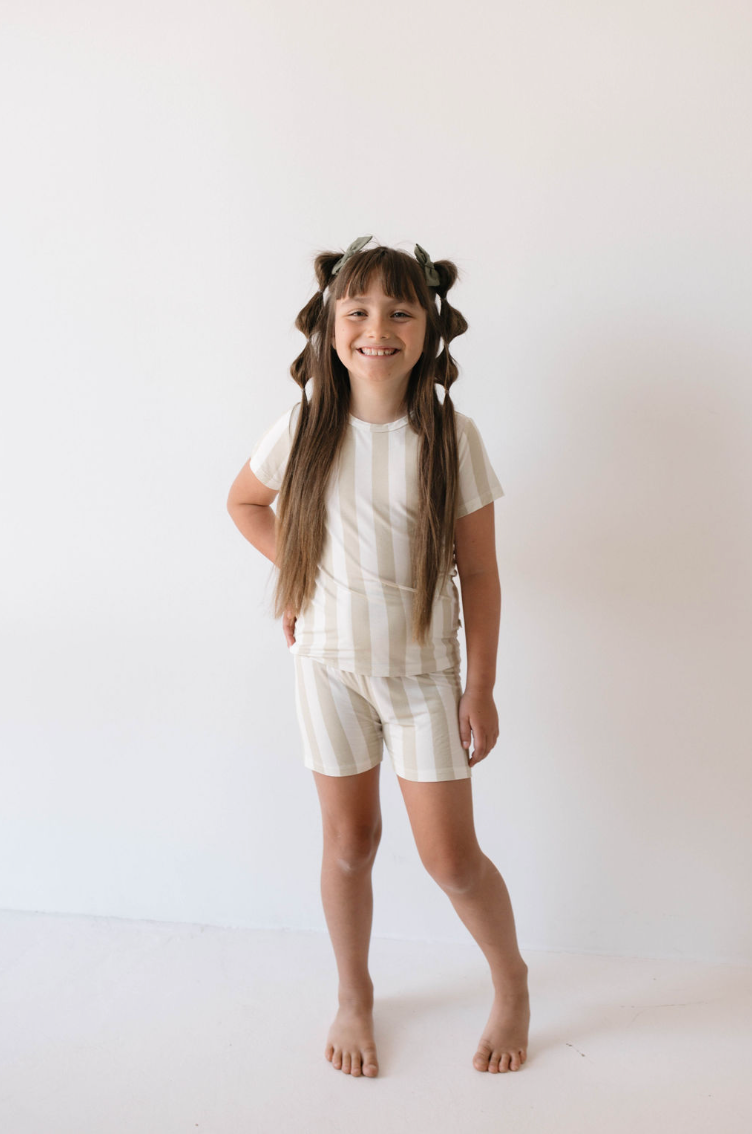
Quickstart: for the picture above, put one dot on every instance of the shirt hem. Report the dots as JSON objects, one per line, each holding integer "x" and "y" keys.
{"x": 370, "y": 671}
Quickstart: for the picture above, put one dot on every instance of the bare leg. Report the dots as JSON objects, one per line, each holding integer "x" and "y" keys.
{"x": 441, "y": 817}
{"x": 351, "y": 817}
{"x": 483, "y": 905}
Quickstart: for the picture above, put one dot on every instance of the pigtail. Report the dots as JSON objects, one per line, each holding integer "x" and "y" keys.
{"x": 439, "y": 461}
{"x": 312, "y": 319}
{"x": 451, "y": 324}
{"x": 306, "y": 322}
{"x": 323, "y": 265}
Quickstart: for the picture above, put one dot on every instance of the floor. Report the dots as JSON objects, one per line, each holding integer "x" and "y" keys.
{"x": 111, "y": 1026}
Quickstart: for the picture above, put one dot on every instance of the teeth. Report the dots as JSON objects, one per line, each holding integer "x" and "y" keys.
{"x": 377, "y": 353}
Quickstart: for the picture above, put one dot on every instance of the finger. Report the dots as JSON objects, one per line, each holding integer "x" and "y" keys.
{"x": 464, "y": 723}
{"x": 481, "y": 748}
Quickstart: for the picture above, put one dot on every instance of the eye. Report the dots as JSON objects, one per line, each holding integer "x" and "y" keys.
{"x": 405, "y": 313}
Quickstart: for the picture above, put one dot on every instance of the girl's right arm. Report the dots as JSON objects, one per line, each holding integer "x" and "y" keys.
{"x": 249, "y": 506}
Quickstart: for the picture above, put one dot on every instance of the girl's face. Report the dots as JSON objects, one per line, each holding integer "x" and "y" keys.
{"x": 365, "y": 324}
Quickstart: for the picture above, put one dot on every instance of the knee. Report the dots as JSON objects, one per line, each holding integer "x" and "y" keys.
{"x": 455, "y": 873}
{"x": 353, "y": 848}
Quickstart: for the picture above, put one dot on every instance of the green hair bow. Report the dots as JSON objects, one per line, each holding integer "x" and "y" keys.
{"x": 432, "y": 276}
{"x": 350, "y": 251}
{"x": 429, "y": 269}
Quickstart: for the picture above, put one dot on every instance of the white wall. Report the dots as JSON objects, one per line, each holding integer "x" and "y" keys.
{"x": 170, "y": 171}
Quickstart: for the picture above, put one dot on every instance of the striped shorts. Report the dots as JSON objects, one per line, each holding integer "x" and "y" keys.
{"x": 345, "y": 718}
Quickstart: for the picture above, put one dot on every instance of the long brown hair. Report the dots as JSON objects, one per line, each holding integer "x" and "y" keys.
{"x": 324, "y": 419}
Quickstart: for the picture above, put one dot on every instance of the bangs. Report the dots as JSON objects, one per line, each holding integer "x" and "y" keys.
{"x": 398, "y": 273}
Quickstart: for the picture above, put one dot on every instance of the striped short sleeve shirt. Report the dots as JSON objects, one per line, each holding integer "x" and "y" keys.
{"x": 360, "y": 615}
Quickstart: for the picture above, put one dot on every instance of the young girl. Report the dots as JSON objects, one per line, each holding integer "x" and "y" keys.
{"x": 385, "y": 494}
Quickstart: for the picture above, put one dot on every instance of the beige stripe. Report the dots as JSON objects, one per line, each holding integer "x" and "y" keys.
{"x": 305, "y": 719}
{"x": 426, "y": 652}
{"x": 338, "y": 631}
{"x": 385, "y": 444}
{"x": 370, "y": 731}
{"x": 366, "y": 715}
{"x": 479, "y": 466}
{"x": 438, "y": 694}
{"x": 444, "y": 690}
{"x": 400, "y": 740}
{"x": 358, "y": 630}
{"x": 440, "y": 766}
{"x": 373, "y": 504}
{"x": 403, "y": 478}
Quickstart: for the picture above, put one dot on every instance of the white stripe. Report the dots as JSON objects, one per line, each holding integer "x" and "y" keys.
{"x": 339, "y": 570}
{"x": 317, "y": 717}
{"x": 367, "y": 556}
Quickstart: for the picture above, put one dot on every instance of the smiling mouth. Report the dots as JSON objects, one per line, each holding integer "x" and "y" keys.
{"x": 377, "y": 353}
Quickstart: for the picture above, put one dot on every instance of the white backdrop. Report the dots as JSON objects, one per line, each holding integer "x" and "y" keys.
{"x": 170, "y": 171}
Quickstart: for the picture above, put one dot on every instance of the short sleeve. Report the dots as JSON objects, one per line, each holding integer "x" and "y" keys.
{"x": 269, "y": 455}
{"x": 478, "y": 483}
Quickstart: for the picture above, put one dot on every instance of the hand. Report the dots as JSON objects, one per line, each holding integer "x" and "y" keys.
{"x": 289, "y": 618}
{"x": 477, "y": 713}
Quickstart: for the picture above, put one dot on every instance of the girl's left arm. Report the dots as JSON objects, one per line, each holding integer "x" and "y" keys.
{"x": 475, "y": 552}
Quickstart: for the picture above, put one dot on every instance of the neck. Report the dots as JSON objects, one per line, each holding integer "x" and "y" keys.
{"x": 377, "y": 406}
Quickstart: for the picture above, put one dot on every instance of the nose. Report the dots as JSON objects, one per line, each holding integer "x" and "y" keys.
{"x": 378, "y": 328}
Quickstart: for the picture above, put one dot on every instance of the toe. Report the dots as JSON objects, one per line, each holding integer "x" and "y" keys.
{"x": 493, "y": 1063}
{"x": 370, "y": 1063}
{"x": 346, "y": 1061}
{"x": 514, "y": 1062}
{"x": 337, "y": 1058}
{"x": 480, "y": 1060}
{"x": 504, "y": 1062}
{"x": 356, "y": 1064}
{"x": 329, "y": 1051}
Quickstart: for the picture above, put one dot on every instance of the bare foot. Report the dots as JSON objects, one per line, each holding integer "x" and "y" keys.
{"x": 350, "y": 1045}
{"x": 503, "y": 1045}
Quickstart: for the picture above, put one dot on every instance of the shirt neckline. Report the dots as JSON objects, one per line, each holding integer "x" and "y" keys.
{"x": 374, "y": 427}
